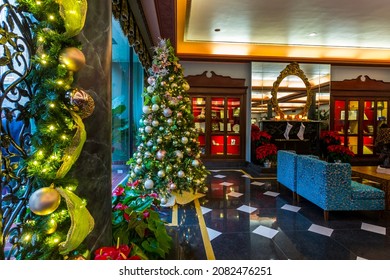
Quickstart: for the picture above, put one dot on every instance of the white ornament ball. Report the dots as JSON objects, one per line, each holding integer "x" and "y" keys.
{"x": 173, "y": 85}
{"x": 159, "y": 140}
{"x": 148, "y": 129}
{"x": 161, "y": 173}
{"x": 150, "y": 89}
{"x": 141, "y": 129}
{"x": 170, "y": 121}
{"x": 146, "y": 109}
{"x": 161, "y": 128}
{"x": 151, "y": 80}
{"x": 180, "y": 174}
{"x": 163, "y": 200}
{"x": 188, "y": 150}
{"x": 172, "y": 186}
{"x": 195, "y": 163}
{"x": 149, "y": 184}
{"x": 139, "y": 161}
{"x": 155, "y": 123}
{"x": 184, "y": 140}
{"x": 147, "y": 154}
{"x": 155, "y": 107}
{"x": 167, "y": 112}
{"x": 149, "y": 143}
{"x": 137, "y": 169}
{"x": 160, "y": 154}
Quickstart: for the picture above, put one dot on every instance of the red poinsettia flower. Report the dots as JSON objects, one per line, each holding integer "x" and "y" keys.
{"x": 340, "y": 152}
{"x": 154, "y": 195}
{"x": 120, "y": 206}
{"x": 267, "y": 151}
{"x": 330, "y": 137}
{"x": 126, "y": 216}
{"x": 118, "y": 191}
{"x": 146, "y": 214}
{"x": 133, "y": 184}
{"x": 121, "y": 252}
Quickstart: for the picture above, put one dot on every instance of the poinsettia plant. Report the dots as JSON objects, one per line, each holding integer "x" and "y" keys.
{"x": 119, "y": 252}
{"x": 267, "y": 152}
{"x": 136, "y": 222}
{"x": 258, "y": 136}
{"x": 340, "y": 152}
{"x": 330, "y": 137}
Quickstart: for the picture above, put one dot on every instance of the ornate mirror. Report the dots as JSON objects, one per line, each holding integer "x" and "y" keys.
{"x": 291, "y": 69}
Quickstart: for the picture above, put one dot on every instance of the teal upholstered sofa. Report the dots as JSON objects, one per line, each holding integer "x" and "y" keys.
{"x": 286, "y": 172}
{"x": 329, "y": 186}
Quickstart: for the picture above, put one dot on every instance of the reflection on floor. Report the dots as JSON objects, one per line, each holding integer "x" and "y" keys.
{"x": 248, "y": 218}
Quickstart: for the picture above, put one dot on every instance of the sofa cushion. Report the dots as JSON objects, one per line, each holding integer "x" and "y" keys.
{"x": 361, "y": 191}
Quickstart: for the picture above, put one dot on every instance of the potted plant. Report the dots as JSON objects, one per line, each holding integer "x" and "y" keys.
{"x": 266, "y": 154}
{"x": 258, "y": 138}
{"x": 339, "y": 153}
{"x": 328, "y": 138}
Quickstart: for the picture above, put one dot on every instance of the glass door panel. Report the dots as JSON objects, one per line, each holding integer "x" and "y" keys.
{"x": 233, "y": 144}
{"x": 353, "y": 117}
{"x": 381, "y": 112}
{"x": 353, "y": 144}
{"x": 199, "y": 112}
{"x": 368, "y": 145}
{"x": 217, "y": 115}
{"x": 368, "y": 118}
{"x": 217, "y": 144}
{"x": 339, "y": 116}
{"x": 233, "y": 115}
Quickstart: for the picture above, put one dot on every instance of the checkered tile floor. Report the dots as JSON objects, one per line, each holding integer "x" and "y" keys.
{"x": 249, "y": 218}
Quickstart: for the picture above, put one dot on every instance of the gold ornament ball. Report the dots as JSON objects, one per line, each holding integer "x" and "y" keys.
{"x": 82, "y": 103}
{"x": 72, "y": 58}
{"x": 44, "y": 201}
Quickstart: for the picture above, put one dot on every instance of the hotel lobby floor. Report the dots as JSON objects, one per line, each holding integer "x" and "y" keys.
{"x": 248, "y": 218}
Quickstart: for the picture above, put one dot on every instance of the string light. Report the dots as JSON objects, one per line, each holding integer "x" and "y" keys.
{"x": 52, "y": 105}
{"x": 52, "y": 127}
{"x": 51, "y": 17}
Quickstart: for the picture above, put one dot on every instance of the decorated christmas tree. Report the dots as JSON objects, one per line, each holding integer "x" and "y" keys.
{"x": 168, "y": 156}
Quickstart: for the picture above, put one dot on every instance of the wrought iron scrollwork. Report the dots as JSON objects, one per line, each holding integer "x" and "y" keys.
{"x": 16, "y": 50}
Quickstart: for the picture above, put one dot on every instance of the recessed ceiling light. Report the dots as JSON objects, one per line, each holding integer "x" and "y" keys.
{"x": 217, "y": 29}
{"x": 313, "y": 34}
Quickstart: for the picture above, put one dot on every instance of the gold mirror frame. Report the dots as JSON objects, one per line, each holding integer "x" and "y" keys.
{"x": 291, "y": 69}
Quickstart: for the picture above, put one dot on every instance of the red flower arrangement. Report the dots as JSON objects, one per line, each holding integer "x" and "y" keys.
{"x": 330, "y": 137}
{"x": 121, "y": 252}
{"x": 266, "y": 152}
{"x": 340, "y": 152}
{"x": 258, "y": 136}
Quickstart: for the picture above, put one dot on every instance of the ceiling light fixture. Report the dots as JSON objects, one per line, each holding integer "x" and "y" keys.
{"x": 217, "y": 29}
{"x": 313, "y": 34}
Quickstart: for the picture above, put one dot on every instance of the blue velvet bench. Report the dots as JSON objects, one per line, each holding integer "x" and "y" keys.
{"x": 329, "y": 186}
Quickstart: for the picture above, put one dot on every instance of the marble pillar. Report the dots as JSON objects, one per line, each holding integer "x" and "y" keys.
{"x": 93, "y": 169}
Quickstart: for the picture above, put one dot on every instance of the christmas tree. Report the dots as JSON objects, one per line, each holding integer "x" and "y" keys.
{"x": 168, "y": 155}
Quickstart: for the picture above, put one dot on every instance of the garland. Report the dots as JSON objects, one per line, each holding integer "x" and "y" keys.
{"x": 57, "y": 220}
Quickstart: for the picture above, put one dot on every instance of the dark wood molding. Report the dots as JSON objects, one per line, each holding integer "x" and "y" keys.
{"x": 361, "y": 83}
{"x": 214, "y": 80}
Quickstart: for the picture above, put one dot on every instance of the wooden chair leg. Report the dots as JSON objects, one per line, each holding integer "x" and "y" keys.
{"x": 326, "y": 215}
{"x": 294, "y": 196}
{"x": 277, "y": 186}
{"x": 298, "y": 198}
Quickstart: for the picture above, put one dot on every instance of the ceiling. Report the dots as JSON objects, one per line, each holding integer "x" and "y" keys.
{"x": 271, "y": 34}
{"x": 331, "y": 31}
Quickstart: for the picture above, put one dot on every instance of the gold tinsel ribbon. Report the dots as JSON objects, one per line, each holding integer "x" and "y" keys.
{"x": 74, "y": 13}
{"x": 82, "y": 222}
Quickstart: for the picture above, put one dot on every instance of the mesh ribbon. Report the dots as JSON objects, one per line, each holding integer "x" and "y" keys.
{"x": 82, "y": 222}
{"x": 73, "y": 13}
{"x": 72, "y": 152}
